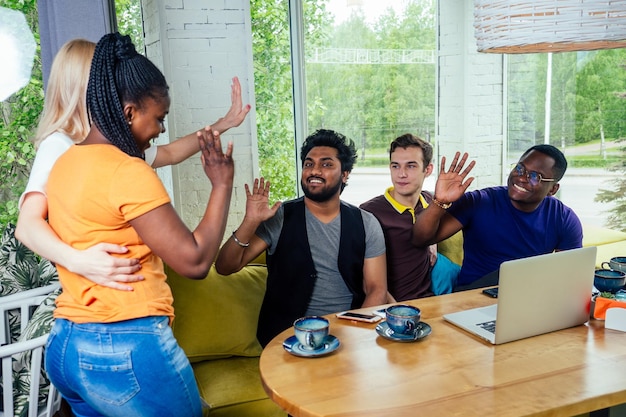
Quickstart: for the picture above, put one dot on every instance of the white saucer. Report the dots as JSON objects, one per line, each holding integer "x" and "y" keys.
{"x": 294, "y": 347}
{"x": 423, "y": 330}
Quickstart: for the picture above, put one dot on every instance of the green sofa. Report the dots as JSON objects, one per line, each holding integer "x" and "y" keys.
{"x": 215, "y": 323}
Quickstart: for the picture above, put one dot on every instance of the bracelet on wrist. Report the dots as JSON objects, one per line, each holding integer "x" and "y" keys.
{"x": 444, "y": 206}
{"x": 237, "y": 241}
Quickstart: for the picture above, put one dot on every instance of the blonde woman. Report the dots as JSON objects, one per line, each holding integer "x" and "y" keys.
{"x": 65, "y": 122}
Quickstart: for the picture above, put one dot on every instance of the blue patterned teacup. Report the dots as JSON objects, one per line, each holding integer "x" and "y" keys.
{"x": 311, "y": 331}
{"x": 402, "y": 318}
{"x": 617, "y": 263}
{"x": 609, "y": 280}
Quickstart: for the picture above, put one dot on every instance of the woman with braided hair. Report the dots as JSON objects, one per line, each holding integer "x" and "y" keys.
{"x": 112, "y": 353}
{"x": 64, "y": 122}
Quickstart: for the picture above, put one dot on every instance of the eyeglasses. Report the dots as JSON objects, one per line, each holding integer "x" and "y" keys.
{"x": 533, "y": 177}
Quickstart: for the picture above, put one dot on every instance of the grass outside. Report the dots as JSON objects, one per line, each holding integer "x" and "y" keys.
{"x": 581, "y": 161}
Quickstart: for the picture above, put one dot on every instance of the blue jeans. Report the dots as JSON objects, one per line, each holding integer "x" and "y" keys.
{"x": 127, "y": 368}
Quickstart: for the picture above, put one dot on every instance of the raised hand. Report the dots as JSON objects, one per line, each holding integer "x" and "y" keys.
{"x": 451, "y": 184}
{"x": 237, "y": 113}
{"x": 218, "y": 166}
{"x": 257, "y": 201}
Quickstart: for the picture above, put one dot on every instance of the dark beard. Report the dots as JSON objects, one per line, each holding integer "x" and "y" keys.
{"x": 322, "y": 196}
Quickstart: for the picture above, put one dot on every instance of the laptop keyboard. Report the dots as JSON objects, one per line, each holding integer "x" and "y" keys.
{"x": 490, "y": 326}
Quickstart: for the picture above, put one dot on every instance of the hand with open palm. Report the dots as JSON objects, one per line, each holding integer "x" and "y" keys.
{"x": 257, "y": 201}
{"x": 451, "y": 184}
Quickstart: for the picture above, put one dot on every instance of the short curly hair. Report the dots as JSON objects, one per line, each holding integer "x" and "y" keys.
{"x": 560, "y": 162}
{"x": 346, "y": 150}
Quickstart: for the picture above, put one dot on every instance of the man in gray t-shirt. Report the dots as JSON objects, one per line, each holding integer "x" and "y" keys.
{"x": 330, "y": 293}
{"x": 332, "y": 282}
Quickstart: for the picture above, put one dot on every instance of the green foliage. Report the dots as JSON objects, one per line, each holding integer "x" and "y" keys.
{"x": 366, "y": 102}
{"x": 274, "y": 111}
{"x": 592, "y": 161}
{"x": 584, "y": 97}
{"x": 587, "y": 105}
{"x": 129, "y": 21}
{"x": 374, "y": 102}
{"x": 18, "y": 121}
{"x": 273, "y": 88}
{"x": 603, "y": 95}
{"x": 616, "y": 195}
{"x": 599, "y": 109}
{"x": 527, "y": 83}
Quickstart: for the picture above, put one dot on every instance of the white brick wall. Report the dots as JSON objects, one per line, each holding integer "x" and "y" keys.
{"x": 200, "y": 45}
{"x": 470, "y": 101}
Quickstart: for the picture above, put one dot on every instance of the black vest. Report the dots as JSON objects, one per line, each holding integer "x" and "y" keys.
{"x": 291, "y": 272}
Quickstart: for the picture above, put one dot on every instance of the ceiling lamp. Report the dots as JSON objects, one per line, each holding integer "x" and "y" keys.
{"x": 18, "y": 47}
{"x": 517, "y": 27}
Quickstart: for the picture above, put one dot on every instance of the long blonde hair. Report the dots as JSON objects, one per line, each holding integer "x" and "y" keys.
{"x": 65, "y": 104}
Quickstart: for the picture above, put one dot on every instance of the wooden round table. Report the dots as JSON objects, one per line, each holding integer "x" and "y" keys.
{"x": 450, "y": 372}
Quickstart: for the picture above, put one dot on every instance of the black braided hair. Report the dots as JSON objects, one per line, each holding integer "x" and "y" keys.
{"x": 119, "y": 75}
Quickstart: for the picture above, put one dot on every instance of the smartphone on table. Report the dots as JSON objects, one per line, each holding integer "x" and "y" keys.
{"x": 381, "y": 312}
{"x": 491, "y": 292}
{"x": 367, "y": 318}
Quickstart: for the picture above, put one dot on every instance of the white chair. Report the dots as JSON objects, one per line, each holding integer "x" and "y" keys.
{"x": 30, "y": 351}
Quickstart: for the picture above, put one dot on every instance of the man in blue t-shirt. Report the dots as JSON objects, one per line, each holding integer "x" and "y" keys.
{"x": 501, "y": 223}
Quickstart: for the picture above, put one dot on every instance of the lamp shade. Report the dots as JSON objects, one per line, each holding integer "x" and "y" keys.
{"x": 549, "y": 25}
{"x": 17, "y": 50}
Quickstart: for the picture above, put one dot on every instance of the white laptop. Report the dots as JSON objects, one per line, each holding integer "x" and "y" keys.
{"x": 536, "y": 295}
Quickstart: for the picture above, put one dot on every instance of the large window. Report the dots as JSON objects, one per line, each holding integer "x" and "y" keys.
{"x": 574, "y": 101}
{"x": 372, "y": 77}
{"x": 370, "y": 73}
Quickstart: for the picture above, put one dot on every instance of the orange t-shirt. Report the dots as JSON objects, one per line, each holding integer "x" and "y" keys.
{"x": 93, "y": 192}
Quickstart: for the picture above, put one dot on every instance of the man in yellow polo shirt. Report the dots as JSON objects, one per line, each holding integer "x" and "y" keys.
{"x": 408, "y": 267}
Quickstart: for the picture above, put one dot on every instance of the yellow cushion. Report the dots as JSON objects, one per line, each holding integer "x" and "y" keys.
{"x": 610, "y": 243}
{"x": 217, "y": 317}
{"x": 596, "y": 236}
{"x": 232, "y": 387}
{"x": 452, "y": 247}
{"x": 608, "y": 251}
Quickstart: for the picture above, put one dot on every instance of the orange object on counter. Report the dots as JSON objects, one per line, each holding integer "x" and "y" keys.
{"x": 603, "y": 304}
